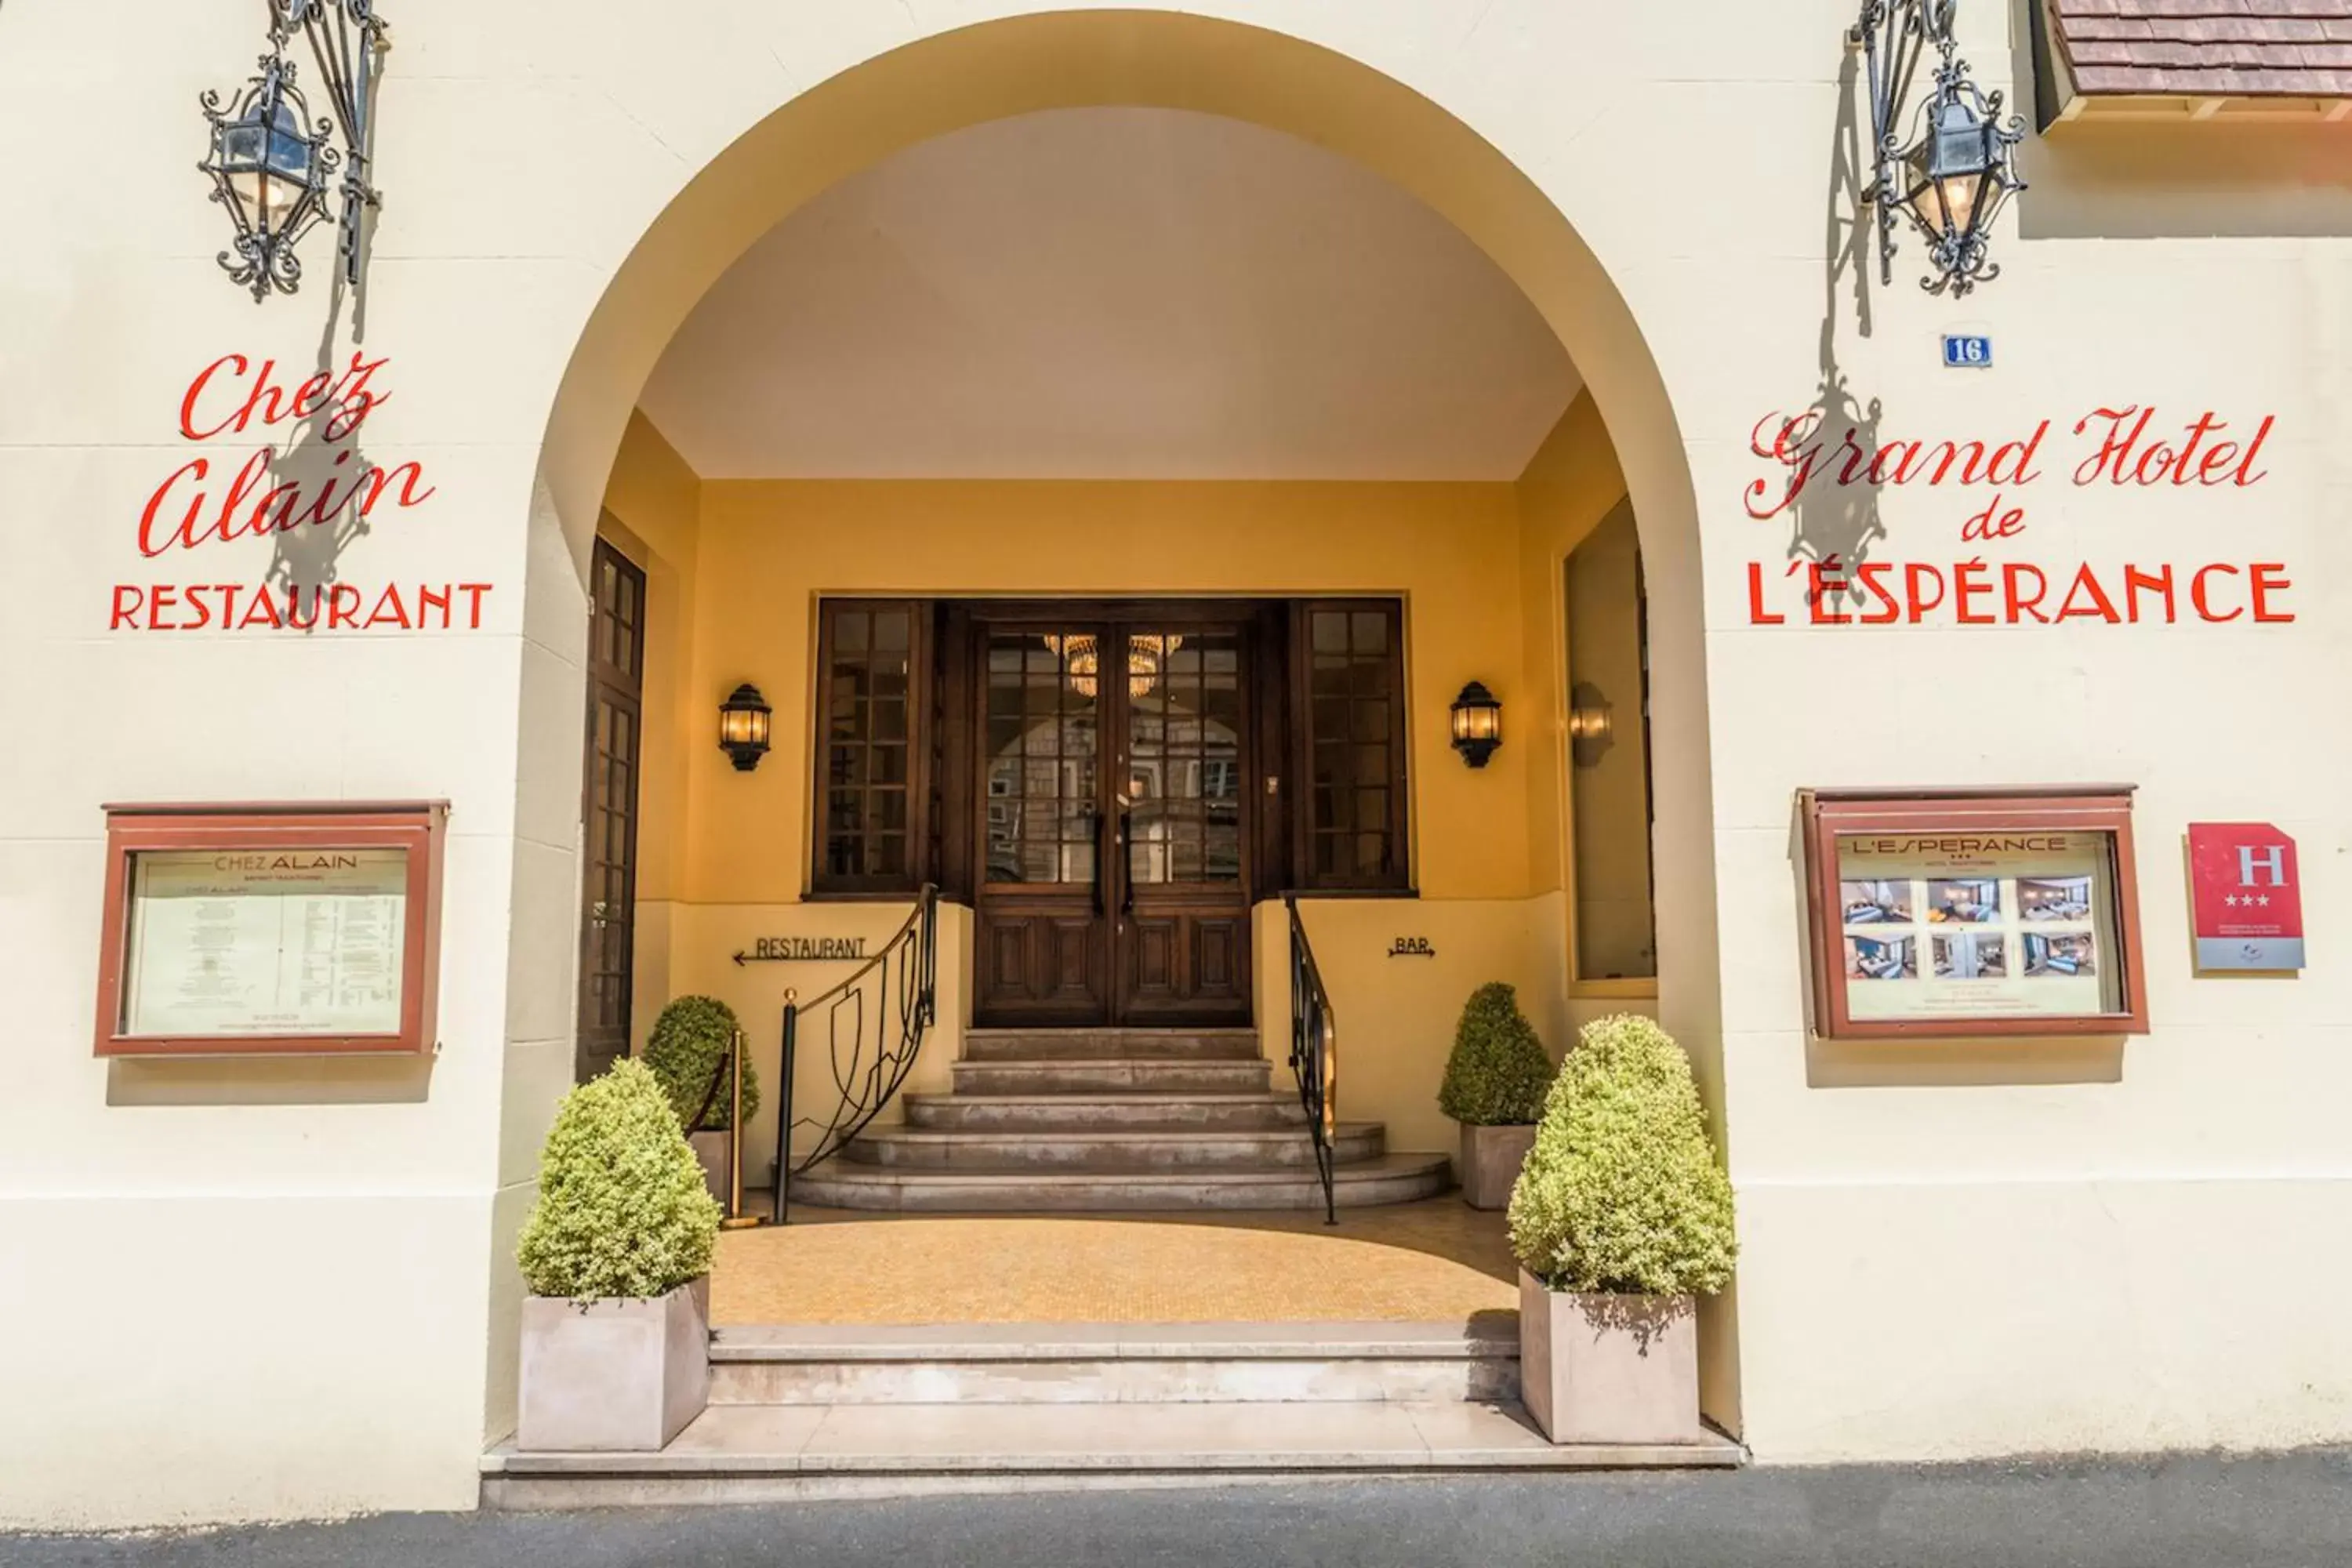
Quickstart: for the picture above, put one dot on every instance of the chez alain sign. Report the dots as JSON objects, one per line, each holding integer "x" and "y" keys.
{"x": 2123, "y": 447}
{"x": 318, "y": 479}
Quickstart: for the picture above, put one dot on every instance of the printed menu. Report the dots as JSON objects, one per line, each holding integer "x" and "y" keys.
{"x": 258, "y": 942}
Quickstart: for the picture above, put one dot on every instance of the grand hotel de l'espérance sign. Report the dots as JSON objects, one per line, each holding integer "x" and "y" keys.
{"x": 1836, "y": 470}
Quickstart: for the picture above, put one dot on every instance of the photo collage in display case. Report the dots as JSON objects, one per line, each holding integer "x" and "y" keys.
{"x": 1988, "y": 924}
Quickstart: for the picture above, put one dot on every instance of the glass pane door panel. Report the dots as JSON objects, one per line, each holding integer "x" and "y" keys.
{"x": 1043, "y": 738}
{"x": 1184, "y": 736}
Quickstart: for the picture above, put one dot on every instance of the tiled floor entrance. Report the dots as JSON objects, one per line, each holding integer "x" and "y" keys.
{"x": 1434, "y": 1261}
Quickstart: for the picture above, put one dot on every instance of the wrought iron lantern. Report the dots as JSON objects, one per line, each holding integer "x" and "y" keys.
{"x": 270, "y": 165}
{"x": 270, "y": 161}
{"x": 1958, "y": 170}
{"x": 1478, "y": 724}
{"x": 743, "y": 726}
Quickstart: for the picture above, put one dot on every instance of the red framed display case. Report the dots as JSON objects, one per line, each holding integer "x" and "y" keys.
{"x": 271, "y": 929}
{"x": 1957, "y": 914}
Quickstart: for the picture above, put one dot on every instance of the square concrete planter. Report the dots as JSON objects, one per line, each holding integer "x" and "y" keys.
{"x": 1609, "y": 1369}
{"x": 620, "y": 1375}
{"x": 1491, "y": 1158}
{"x": 710, "y": 1149}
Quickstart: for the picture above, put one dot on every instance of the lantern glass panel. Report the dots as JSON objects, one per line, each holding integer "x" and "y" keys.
{"x": 1477, "y": 723}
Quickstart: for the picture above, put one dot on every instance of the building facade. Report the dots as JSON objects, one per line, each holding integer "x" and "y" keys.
{"x": 1395, "y": 346}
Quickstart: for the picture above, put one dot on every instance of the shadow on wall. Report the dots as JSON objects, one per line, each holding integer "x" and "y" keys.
{"x": 323, "y": 462}
{"x": 2170, "y": 179}
{"x": 1832, "y": 524}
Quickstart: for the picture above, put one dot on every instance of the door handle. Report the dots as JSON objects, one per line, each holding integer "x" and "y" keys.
{"x": 1126, "y": 865}
{"x": 1096, "y": 887}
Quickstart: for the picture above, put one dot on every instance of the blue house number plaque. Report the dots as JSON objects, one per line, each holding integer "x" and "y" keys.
{"x": 1966, "y": 353}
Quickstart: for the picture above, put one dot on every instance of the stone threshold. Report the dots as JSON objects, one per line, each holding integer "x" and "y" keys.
{"x": 748, "y": 1453}
{"x": 1482, "y": 1339}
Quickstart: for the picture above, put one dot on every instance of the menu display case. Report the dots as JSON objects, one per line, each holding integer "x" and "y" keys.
{"x": 1952, "y": 913}
{"x": 274, "y": 929}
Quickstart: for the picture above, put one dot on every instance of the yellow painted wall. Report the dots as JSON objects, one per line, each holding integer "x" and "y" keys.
{"x": 1478, "y": 564}
{"x": 770, "y": 549}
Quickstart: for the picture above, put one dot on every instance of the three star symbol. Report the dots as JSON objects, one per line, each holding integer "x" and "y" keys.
{"x": 2249, "y": 900}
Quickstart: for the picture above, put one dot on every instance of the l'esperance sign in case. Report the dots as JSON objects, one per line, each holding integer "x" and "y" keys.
{"x": 280, "y": 930}
{"x": 1977, "y": 923}
{"x": 1960, "y": 912}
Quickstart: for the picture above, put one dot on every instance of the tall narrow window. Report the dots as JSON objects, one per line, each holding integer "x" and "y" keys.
{"x": 1353, "y": 816}
{"x": 1609, "y": 753}
{"x": 608, "y": 808}
{"x": 870, "y": 764}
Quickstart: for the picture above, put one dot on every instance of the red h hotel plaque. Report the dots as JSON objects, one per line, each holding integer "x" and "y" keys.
{"x": 2248, "y": 896}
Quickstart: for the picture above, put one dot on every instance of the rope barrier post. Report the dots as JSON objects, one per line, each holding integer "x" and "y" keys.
{"x": 736, "y": 1219}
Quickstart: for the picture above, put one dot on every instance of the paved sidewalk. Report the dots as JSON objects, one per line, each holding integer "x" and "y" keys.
{"x": 2292, "y": 1511}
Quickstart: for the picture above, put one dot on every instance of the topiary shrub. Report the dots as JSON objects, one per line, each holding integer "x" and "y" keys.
{"x": 689, "y": 1040}
{"x": 622, "y": 1210}
{"x": 1622, "y": 1192}
{"x": 1498, "y": 1071}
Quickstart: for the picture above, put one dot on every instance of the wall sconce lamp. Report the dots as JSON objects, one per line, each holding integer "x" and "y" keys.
{"x": 1478, "y": 724}
{"x": 270, "y": 161}
{"x": 1958, "y": 170}
{"x": 744, "y": 724}
{"x": 1591, "y": 724}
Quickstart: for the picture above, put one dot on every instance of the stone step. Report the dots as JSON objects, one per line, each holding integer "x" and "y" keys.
{"x": 1056, "y": 1112}
{"x": 1390, "y": 1179}
{"x": 1145, "y": 1147}
{"x": 1110, "y": 1045}
{"x": 778, "y": 1453}
{"x": 1114, "y": 1364}
{"x": 1113, "y": 1077}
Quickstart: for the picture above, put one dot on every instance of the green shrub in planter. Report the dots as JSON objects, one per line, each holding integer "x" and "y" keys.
{"x": 1498, "y": 1071}
{"x": 689, "y": 1040}
{"x": 1623, "y": 1193}
{"x": 622, "y": 1210}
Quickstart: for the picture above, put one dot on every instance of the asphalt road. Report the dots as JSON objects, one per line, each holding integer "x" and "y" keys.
{"x": 2288, "y": 1511}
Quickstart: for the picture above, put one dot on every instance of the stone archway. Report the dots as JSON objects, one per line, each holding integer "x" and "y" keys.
{"x": 1055, "y": 59}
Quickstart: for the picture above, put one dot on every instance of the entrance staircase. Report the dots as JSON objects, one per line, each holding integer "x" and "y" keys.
{"x": 1108, "y": 1121}
{"x": 800, "y": 1412}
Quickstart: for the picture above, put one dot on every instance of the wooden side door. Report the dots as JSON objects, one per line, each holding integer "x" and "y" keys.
{"x": 1041, "y": 907}
{"x": 1183, "y": 822}
{"x": 614, "y": 752}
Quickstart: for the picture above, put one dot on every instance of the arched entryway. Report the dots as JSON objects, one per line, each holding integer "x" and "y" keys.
{"x": 1085, "y": 59}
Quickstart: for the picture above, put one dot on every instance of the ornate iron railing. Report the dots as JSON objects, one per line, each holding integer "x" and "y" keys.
{"x": 875, "y": 1021}
{"x": 1314, "y": 1054}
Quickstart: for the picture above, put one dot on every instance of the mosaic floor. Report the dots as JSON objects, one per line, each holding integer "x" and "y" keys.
{"x": 1423, "y": 1262}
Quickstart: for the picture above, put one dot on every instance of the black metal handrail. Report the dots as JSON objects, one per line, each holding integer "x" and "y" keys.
{"x": 890, "y": 1003}
{"x": 1314, "y": 1054}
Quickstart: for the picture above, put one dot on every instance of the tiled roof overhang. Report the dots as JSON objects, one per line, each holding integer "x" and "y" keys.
{"x": 2201, "y": 58}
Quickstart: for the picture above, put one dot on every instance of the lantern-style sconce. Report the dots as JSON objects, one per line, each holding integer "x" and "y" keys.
{"x": 1478, "y": 724}
{"x": 744, "y": 724}
{"x": 270, "y": 165}
{"x": 270, "y": 161}
{"x": 1959, "y": 170}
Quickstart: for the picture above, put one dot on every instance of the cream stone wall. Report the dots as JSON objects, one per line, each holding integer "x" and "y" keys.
{"x": 259, "y": 1291}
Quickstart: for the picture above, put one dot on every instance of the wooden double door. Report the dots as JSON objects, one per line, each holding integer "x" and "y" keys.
{"x": 1115, "y": 826}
